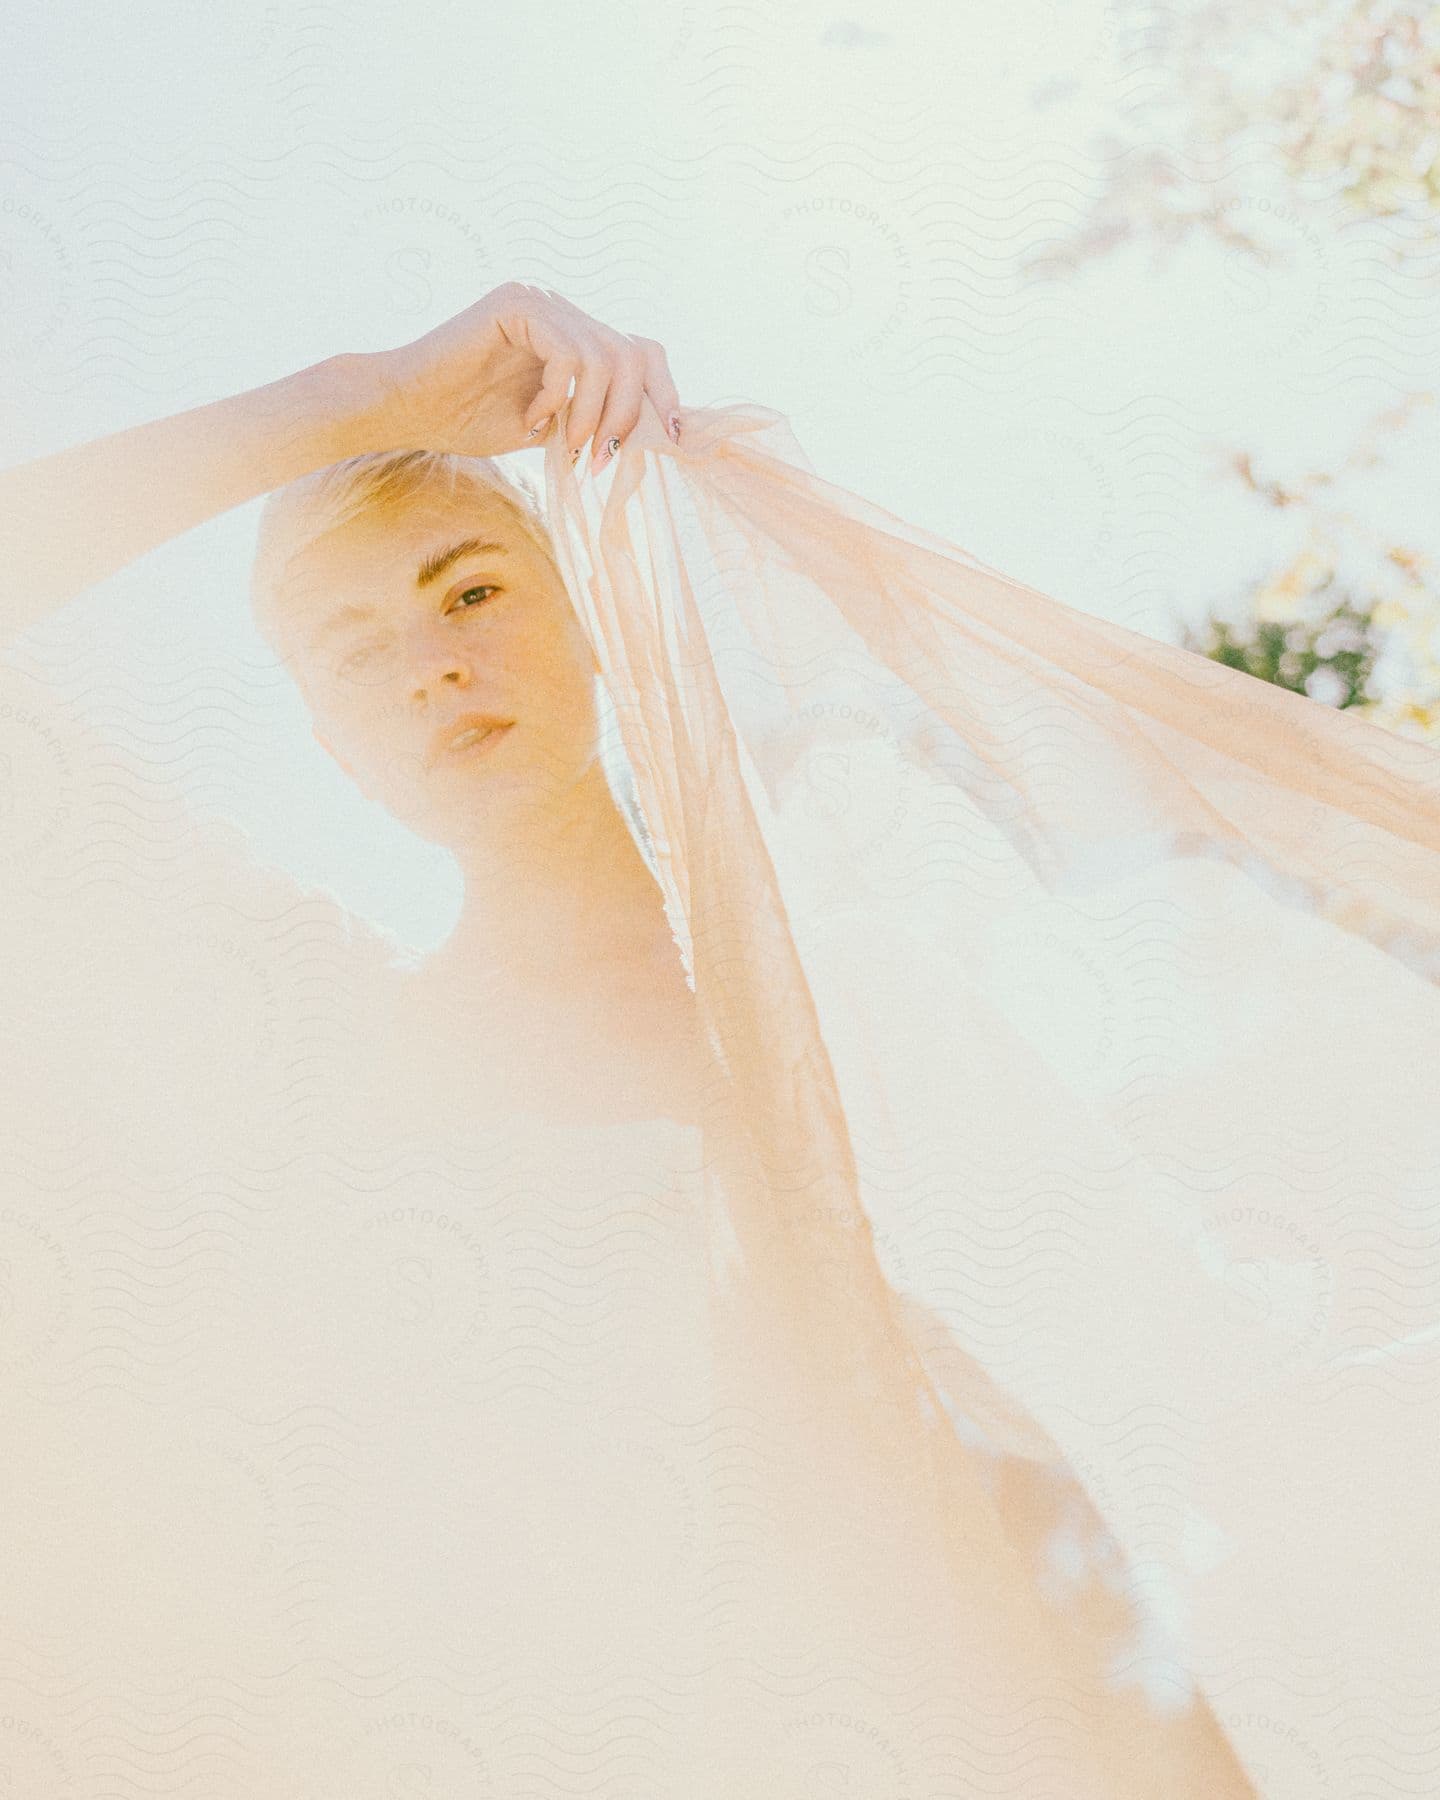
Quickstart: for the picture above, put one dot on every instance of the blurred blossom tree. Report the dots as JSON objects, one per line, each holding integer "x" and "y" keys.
{"x": 1317, "y": 113}
{"x": 1347, "y": 617}
{"x": 1370, "y": 111}
{"x": 1297, "y": 98}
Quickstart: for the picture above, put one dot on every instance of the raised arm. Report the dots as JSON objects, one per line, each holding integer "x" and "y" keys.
{"x": 485, "y": 382}
{"x": 73, "y": 518}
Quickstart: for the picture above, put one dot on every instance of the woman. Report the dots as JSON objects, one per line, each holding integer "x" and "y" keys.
{"x": 942, "y": 1582}
{"x": 465, "y": 704}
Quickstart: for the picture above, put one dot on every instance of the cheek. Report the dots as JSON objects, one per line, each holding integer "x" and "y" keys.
{"x": 571, "y": 701}
{"x": 570, "y": 664}
{"x": 367, "y": 733}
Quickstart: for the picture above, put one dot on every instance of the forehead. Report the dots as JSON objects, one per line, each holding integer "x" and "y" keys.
{"x": 398, "y": 535}
{"x": 376, "y": 555}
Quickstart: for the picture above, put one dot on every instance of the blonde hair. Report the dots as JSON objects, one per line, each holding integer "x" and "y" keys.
{"x": 304, "y": 510}
{"x": 296, "y": 515}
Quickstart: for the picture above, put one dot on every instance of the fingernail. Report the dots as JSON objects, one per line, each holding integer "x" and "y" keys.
{"x": 575, "y": 454}
{"x": 607, "y": 450}
{"x": 673, "y": 426}
{"x": 539, "y": 426}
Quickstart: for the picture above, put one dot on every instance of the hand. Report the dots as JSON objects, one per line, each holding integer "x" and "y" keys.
{"x": 489, "y": 380}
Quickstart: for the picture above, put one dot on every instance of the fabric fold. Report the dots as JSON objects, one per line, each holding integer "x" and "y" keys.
{"x": 1074, "y": 1006}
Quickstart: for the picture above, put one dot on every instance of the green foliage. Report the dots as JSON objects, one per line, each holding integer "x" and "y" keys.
{"x": 1329, "y": 658}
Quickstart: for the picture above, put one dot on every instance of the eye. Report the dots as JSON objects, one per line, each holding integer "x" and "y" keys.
{"x": 463, "y": 599}
{"x": 366, "y": 660}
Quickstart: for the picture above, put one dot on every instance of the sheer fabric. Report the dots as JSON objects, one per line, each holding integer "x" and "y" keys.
{"x": 1039, "y": 1321}
{"x": 1075, "y": 1002}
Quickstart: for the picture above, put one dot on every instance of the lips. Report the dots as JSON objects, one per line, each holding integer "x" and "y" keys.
{"x": 465, "y": 733}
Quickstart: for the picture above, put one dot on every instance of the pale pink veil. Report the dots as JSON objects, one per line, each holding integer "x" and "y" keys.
{"x": 1074, "y": 1008}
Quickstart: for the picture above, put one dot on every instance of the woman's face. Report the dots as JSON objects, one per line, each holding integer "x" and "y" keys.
{"x": 442, "y": 661}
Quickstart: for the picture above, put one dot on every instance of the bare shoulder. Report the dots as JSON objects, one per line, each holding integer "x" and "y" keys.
{"x": 607, "y": 1044}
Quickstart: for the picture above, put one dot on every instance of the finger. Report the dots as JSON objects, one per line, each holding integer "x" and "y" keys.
{"x": 560, "y": 370}
{"x": 622, "y": 406}
{"x": 592, "y": 385}
{"x": 660, "y": 384}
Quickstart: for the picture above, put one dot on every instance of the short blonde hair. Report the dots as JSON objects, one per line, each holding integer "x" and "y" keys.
{"x": 304, "y": 510}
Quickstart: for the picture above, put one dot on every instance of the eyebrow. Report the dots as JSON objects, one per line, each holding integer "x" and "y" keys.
{"x": 430, "y": 570}
{"x": 435, "y": 566}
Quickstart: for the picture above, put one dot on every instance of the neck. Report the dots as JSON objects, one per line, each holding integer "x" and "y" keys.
{"x": 558, "y": 892}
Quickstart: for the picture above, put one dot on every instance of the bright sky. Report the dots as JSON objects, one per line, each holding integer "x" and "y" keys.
{"x": 824, "y": 208}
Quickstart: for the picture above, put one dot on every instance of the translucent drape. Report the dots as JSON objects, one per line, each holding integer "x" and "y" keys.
{"x": 1074, "y": 1009}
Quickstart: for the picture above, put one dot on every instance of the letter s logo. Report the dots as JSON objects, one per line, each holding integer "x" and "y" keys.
{"x": 827, "y": 781}
{"x": 411, "y": 1289}
{"x": 834, "y": 296}
{"x": 828, "y": 1779}
{"x": 407, "y": 271}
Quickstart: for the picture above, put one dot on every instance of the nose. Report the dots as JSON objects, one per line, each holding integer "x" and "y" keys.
{"x": 447, "y": 672}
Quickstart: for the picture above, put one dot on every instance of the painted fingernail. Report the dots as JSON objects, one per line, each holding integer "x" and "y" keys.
{"x": 575, "y": 454}
{"x": 607, "y": 450}
{"x": 673, "y": 426}
{"x": 539, "y": 426}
